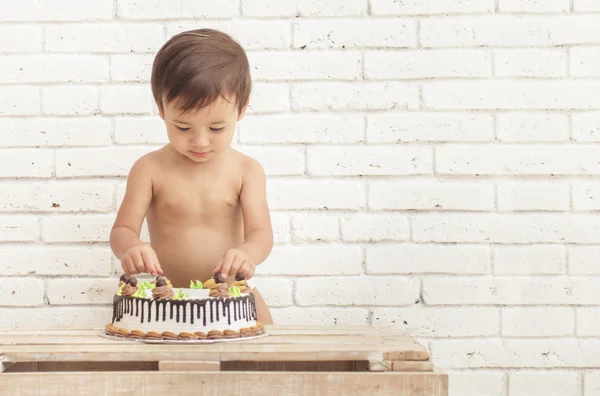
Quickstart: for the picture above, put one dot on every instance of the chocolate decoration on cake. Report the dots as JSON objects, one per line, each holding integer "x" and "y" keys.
{"x": 124, "y": 278}
{"x": 132, "y": 281}
{"x": 159, "y": 277}
{"x": 240, "y": 276}
{"x": 161, "y": 282}
{"x": 219, "y": 278}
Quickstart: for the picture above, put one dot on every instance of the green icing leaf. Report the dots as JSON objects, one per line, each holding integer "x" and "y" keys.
{"x": 145, "y": 285}
{"x": 198, "y": 285}
{"x": 120, "y": 289}
{"x": 140, "y": 293}
{"x": 180, "y": 295}
{"x": 235, "y": 291}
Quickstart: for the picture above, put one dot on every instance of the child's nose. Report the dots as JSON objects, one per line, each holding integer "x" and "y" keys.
{"x": 201, "y": 139}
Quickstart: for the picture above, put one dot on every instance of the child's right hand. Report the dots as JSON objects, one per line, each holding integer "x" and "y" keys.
{"x": 140, "y": 258}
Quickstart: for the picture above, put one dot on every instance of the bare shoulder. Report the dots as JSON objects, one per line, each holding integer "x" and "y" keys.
{"x": 248, "y": 166}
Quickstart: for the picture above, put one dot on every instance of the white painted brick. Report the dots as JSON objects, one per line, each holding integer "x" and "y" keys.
{"x": 509, "y": 290}
{"x": 26, "y": 163}
{"x": 512, "y": 95}
{"x": 584, "y": 61}
{"x": 586, "y": 195}
{"x": 517, "y": 159}
{"x": 530, "y": 63}
{"x": 374, "y": 227}
{"x": 435, "y": 63}
{"x": 476, "y": 383}
{"x": 368, "y": 160}
{"x": 15, "y": 228}
{"x": 131, "y": 67}
{"x": 521, "y": 195}
{"x": 355, "y": 96}
{"x": 70, "y": 100}
{"x": 56, "y": 10}
{"x": 532, "y": 127}
{"x": 430, "y": 195}
{"x": 174, "y": 27}
{"x": 315, "y": 194}
{"x": 269, "y": 98}
{"x": 276, "y": 292}
{"x": 538, "y": 6}
{"x": 21, "y": 38}
{"x": 328, "y": 259}
{"x": 47, "y": 260}
{"x": 278, "y": 160}
{"x": 591, "y": 380}
{"x": 282, "y": 229}
{"x": 126, "y": 99}
{"x": 309, "y": 128}
{"x": 423, "y": 321}
{"x": 355, "y": 33}
{"x": 427, "y": 258}
{"x": 140, "y": 130}
{"x": 21, "y": 292}
{"x": 315, "y": 227}
{"x": 54, "y": 132}
{"x": 368, "y": 291}
{"x": 538, "y": 321}
{"x": 529, "y": 260}
{"x": 188, "y": 9}
{"x": 588, "y": 322}
{"x": 55, "y": 318}
{"x": 53, "y": 68}
{"x": 304, "y": 8}
{"x": 424, "y": 7}
{"x": 320, "y": 316}
{"x": 586, "y": 5}
{"x": 549, "y": 383}
{"x": 586, "y": 126}
{"x": 56, "y": 197}
{"x": 110, "y": 161}
{"x": 84, "y": 228}
{"x": 20, "y": 101}
{"x": 306, "y": 65}
{"x": 83, "y": 291}
{"x": 429, "y": 127}
{"x": 584, "y": 260}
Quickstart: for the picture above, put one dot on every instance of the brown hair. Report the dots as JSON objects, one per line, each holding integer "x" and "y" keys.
{"x": 195, "y": 67}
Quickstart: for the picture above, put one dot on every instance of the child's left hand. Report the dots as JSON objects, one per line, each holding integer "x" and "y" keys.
{"x": 235, "y": 261}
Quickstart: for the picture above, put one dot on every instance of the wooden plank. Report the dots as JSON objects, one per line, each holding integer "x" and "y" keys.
{"x": 226, "y": 383}
{"x": 182, "y": 365}
{"x": 400, "y": 365}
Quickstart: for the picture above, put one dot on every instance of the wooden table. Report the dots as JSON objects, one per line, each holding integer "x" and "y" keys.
{"x": 292, "y": 360}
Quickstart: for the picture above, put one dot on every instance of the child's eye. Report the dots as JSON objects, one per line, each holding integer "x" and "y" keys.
{"x": 217, "y": 129}
{"x": 182, "y": 128}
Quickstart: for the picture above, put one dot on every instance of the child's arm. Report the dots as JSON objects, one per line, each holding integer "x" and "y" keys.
{"x": 258, "y": 233}
{"x": 135, "y": 255}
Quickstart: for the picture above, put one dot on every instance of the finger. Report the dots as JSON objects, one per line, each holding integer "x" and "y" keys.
{"x": 156, "y": 263}
{"x": 138, "y": 262}
{"x": 244, "y": 269}
{"x": 148, "y": 262}
{"x": 251, "y": 272}
{"x": 129, "y": 265}
{"x": 125, "y": 266}
{"x": 227, "y": 262}
{"x": 237, "y": 264}
{"x": 218, "y": 267}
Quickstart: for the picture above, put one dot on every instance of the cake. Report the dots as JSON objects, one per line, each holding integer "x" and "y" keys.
{"x": 210, "y": 310}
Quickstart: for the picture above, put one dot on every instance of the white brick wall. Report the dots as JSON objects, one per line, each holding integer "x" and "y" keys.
{"x": 432, "y": 165}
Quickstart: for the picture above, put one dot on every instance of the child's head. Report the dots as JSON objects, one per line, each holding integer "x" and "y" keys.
{"x": 201, "y": 84}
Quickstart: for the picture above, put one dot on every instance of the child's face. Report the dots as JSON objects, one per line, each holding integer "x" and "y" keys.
{"x": 202, "y": 134}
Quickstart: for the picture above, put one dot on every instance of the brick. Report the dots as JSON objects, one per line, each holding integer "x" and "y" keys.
{"x": 303, "y": 8}
{"x": 109, "y": 161}
{"x": 371, "y": 227}
{"x": 530, "y": 63}
{"x": 591, "y": 380}
{"x": 269, "y": 98}
{"x": 509, "y": 290}
{"x": 355, "y": 96}
{"x": 20, "y": 101}
{"x": 476, "y": 95}
{"x": 21, "y": 38}
{"x": 71, "y": 228}
{"x": 585, "y": 126}
{"x": 140, "y": 130}
{"x": 537, "y": 6}
{"x": 131, "y": 67}
{"x": 315, "y": 227}
{"x": 476, "y": 383}
{"x": 548, "y": 383}
{"x": 21, "y": 292}
{"x": 427, "y": 258}
{"x": 53, "y": 68}
{"x": 328, "y": 259}
{"x": 529, "y": 260}
{"x": 540, "y": 196}
{"x": 84, "y": 291}
{"x": 583, "y": 260}
{"x": 56, "y": 10}
{"x": 367, "y": 291}
{"x": 14, "y": 228}
{"x": 584, "y": 62}
{"x": 429, "y": 127}
{"x": 586, "y": 5}
{"x": 26, "y": 163}
{"x": 538, "y": 321}
{"x": 282, "y": 229}
{"x": 440, "y": 322}
{"x": 57, "y": 197}
{"x": 430, "y": 195}
{"x": 313, "y": 128}
{"x": 126, "y": 99}
{"x": 586, "y": 195}
{"x": 355, "y": 33}
{"x": 49, "y": 260}
{"x": 328, "y": 316}
{"x": 315, "y": 194}
{"x": 307, "y": 65}
{"x": 54, "y": 132}
{"x": 517, "y": 159}
{"x": 588, "y": 321}
{"x": 427, "y": 7}
{"x": 368, "y": 160}
{"x": 184, "y": 9}
{"x": 70, "y": 100}
{"x": 434, "y": 63}
{"x": 278, "y": 161}
{"x": 276, "y": 292}
{"x": 532, "y": 127}
{"x": 45, "y": 318}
